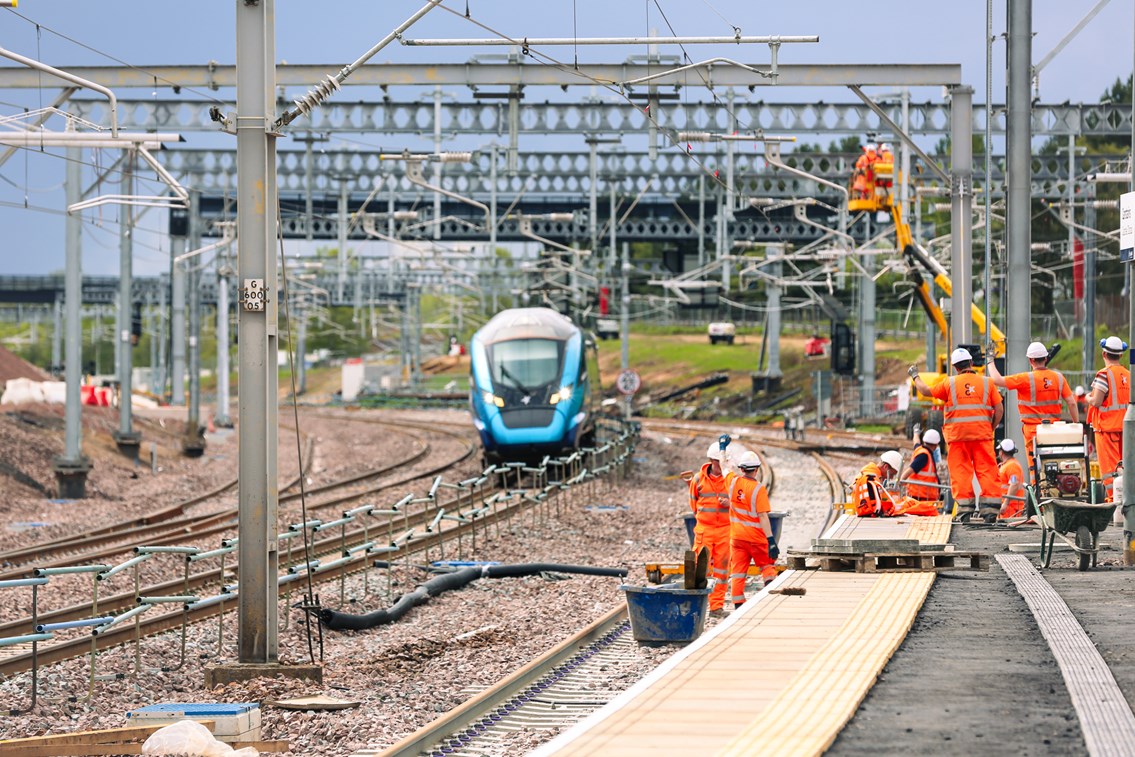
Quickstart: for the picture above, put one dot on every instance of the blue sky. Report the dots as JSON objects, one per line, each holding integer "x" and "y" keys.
{"x": 334, "y": 32}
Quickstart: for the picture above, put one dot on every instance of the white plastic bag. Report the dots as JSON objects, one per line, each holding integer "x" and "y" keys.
{"x": 192, "y": 738}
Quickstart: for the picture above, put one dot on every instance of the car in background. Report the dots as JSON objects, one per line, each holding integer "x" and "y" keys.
{"x": 607, "y": 328}
{"x": 722, "y": 331}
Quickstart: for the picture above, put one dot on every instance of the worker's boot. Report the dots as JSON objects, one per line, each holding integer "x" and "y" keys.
{"x": 989, "y": 510}
{"x": 965, "y": 510}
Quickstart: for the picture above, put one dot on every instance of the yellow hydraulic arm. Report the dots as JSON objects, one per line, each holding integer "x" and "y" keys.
{"x": 917, "y": 256}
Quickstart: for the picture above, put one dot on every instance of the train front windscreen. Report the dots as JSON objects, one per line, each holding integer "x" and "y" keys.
{"x": 527, "y": 367}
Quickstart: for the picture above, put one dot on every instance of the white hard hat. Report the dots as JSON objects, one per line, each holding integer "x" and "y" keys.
{"x": 1079, "y": 391}
{"x": 1113, "y": 344}
{"x": 931, "y": 436}
{"x": 893, "y": 459}
{"x": 960, "y": 355}
{"x": 1007, "y": 445}
{"x": 749, "y": 460}
{"x": 1036, "y": 351}
{"x": 714, "y": 452}
{"x": 872, "y": 146}
{"x": 885, "y": 146}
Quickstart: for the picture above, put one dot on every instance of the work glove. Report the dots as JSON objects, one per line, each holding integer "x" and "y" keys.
{"x": 912, "y": 371}
{"x": 773, "y": 549}
{"x": 990, "y": 351}
{"x": 723, "y": 441}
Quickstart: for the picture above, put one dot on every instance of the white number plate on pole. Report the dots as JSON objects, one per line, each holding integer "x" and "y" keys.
{"x": 1127, "y": 227}
{"x": 628, "y": 382}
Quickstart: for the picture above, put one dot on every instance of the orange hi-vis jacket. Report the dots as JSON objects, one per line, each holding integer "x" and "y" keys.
{"x": 928, "y": 475}
{"x": 705, "y": 489}
{"x": 1114, "y": 407}
{"x": 748, "y": 498}
{"x": 970, "y": 401}
{"x": 869, "y": 496}
{"x": 1038, "y": 394}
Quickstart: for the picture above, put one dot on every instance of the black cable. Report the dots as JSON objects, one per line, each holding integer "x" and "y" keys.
{"x": 309, "y": 598}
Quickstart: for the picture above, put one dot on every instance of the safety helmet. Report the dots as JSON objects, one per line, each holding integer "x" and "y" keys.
{"x": 931, "y": 436}
{"x": 960, "y": 355}
{"x": 871, "y": 146}
{"x": 1079, "y": 391}
{"x": 1007, "y": 446}
{"x": 749, "y": 460}
{"x": 714, "y": 452}
{"x": 886, "y": 147}
{"x": 1113, "y": 345}
{"x": 1036, "y": 351}
{"x": 893, "y": 459}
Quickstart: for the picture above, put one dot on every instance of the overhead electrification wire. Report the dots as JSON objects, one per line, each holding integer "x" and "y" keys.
{"x": 107, "y": 55}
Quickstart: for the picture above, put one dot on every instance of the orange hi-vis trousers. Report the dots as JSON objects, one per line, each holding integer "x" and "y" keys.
{"x": 716, "y": 540}
{"x": 967, "y": 459}
{"x": 1109, "y": 446}
{"x": 741, "y": 553}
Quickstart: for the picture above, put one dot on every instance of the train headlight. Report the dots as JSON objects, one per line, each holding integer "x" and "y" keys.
{"x": 491, "y": 399}
{"x": 563, "y": 394}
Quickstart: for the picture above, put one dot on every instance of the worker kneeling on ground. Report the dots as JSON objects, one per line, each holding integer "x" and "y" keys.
{"x": 750, "y": 528}
{"x": 1039, "y": 393}
{"x": 1012, "y": 481}
{"x": 921, "y": 476}
{"x": 972, "y": 410}
{"x": 709, "y": 500}
{"x": 870, "y": 497}
{"x": 1111, "y": 391}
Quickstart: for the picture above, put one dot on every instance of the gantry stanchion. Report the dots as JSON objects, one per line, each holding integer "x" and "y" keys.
{"x": 33, "y": 638}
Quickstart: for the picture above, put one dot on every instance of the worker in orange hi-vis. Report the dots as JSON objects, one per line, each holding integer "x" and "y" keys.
{"x": 1039, "y": 393}
{"x": 921, "y": 475}
{"x": 973, "y": 409}
{"x": 1111, "y": 391}
{"x": 750, "y": 528}
{"x": 709, "y": 499}
{"x": 1012, "y": 481}
{"x": 868, "y": 494}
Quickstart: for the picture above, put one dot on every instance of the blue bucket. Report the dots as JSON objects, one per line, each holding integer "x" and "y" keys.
{"x": 666, "y": 615}
{"x": 775, "y": 519}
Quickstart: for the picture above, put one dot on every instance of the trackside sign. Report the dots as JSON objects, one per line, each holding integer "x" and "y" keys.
{"x": 1127, "y": 227}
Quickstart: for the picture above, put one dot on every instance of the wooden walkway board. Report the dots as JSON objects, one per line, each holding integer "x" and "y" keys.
{"x": 1105, "y": 717}
{"x": 780, "y": 676}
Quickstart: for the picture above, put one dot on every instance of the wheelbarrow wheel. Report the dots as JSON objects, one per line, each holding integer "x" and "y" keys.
{"x": 1084, "y": 546}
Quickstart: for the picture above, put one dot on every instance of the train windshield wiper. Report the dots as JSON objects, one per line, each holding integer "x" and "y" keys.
{"x": 506, "y": 373}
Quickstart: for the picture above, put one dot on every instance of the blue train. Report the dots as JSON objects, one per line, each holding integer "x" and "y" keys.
{"x": 534, "y": 378}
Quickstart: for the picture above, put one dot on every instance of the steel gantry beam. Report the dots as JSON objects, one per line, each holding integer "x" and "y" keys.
{"x": 491, "y": 117}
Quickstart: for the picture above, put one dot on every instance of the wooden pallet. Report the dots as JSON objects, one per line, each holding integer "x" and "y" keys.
{"x": 908, "y": 562}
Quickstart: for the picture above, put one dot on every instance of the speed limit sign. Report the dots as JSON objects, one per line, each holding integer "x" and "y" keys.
{"x": 628, "y": 382}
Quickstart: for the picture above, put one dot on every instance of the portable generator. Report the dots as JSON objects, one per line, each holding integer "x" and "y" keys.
{"x": 1061, "y": 458}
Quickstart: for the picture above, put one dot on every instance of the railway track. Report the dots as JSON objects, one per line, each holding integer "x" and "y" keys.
{"x": 561, "y": 686}
{"x": 419, "y": 530}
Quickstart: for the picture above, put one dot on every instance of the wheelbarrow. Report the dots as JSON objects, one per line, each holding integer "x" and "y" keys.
{"x": 1077, "y": 523}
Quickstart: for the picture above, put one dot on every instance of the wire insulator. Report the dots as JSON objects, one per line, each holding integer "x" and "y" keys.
{"x": 317, "y": 94}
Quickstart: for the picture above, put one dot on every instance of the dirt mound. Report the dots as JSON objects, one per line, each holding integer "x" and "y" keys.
{"x": 13, "y": 366}
{"x": 445, "y": 364}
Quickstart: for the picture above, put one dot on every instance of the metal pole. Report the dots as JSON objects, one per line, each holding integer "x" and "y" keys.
{"x": 222, "y": 416}
{"x": 177, "y": 324}
{"x": 342, "y": 239}
{"x": 772, "y": 323}
{"x": 625, "y": 324}
{"x": 961, "y": 213}
{"x": 57, "y": 337}
{"x": 193, "y": 280}
{"x": 493, "y": 221}
{"x": 71, "y": 469}
{"x": 988, "y": 166}
{"x": 309, "y": 167}
{"x": 1090, "y": 243}
{"x": 256, "y": 349}
{"x": 1018, "y": 204}
{"x": 437, "y": 163}
{"x": 725, "y": 224}
{"x": 701, "y": 220}
{"x": 126, "y": 439}
{"x": 867, "y": 334}
{"x": 593, "y": 195}
{"x": 162, "y": 336}
{"x": 1129, "y": 417}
